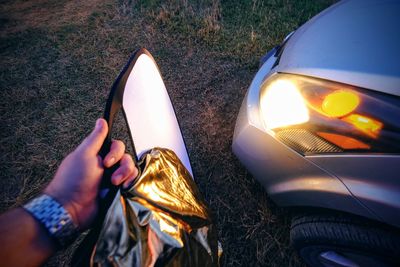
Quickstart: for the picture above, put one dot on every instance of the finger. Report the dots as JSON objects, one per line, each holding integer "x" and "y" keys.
{"x": 127, "y": 169}
{"x": 95, "y": 139}
{"x": 117, "y": 151}
{"x": 129, "y": 181}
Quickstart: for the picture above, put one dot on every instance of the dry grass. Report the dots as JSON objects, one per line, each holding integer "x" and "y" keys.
{"x": 59, "y": 58}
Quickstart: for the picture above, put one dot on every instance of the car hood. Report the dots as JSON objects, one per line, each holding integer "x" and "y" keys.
{"x": 353, "y": 42}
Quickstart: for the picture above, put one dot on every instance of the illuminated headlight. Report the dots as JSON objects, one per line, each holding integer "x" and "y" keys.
{"x": 318, "y": 116}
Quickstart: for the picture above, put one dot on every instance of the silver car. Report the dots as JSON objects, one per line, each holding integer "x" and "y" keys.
{"x": 319, "y": 128}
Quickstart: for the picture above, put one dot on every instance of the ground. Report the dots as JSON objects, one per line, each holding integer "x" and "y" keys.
{"x": 58, "y": 60}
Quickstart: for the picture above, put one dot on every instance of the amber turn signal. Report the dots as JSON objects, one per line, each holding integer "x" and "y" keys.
{"x": 365, "y": 124}
{"x": 343, "y": 142}
{"x": 340, "y": 103}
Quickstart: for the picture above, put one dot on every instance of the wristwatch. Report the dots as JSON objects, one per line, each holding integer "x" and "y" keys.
{"x": 54, "y": 217}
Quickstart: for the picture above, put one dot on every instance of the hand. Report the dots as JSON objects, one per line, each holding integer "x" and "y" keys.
{"x": 77, "y": 180}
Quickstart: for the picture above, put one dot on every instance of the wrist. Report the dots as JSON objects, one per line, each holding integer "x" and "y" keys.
{"x": 54, "y": 218}
{"x": 65, "y": 202}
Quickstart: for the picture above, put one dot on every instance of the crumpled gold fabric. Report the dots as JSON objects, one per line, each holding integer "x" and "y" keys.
{"x": 162, "y": 220}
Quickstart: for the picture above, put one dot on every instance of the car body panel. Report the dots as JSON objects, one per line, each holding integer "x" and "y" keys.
{"x": 352, "y": 42}
{"x": 293, "y": 180}
{"x": 289, "y": 178}
{"x": 373, "y": 179}
{"x": 361, "y": 184}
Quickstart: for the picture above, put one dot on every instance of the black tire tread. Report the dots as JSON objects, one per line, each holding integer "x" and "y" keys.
{"x": 345, "y": 231}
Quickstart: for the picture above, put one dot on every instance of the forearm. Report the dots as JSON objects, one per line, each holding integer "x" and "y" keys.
{"x": 69, "y": 204}
{"x": 24, "y": 242}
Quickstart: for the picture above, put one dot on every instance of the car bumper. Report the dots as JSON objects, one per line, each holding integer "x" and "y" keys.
{"x": 339, "y": 182}
{"x": 289, "y": 178}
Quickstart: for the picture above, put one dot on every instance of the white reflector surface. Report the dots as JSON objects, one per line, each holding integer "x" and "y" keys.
{"x": 150, "y": 115}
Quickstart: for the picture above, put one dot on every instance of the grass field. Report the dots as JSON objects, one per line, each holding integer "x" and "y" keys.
{"x": 58, "y": 60}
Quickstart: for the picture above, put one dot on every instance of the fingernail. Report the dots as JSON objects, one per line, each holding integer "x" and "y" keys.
{"x": 111, "y": 161}
{"x": 126, "y": 186}
{"x": 98, "y": 124}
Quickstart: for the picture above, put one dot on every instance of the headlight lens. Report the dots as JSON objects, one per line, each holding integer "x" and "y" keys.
{"x": 283, "y": 105}
{"x": 318, "y": 116}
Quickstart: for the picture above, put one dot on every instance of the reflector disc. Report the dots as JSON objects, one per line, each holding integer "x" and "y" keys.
{"x": 149, "y": 111}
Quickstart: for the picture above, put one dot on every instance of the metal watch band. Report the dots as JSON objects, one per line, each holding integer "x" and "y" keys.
{"x": 52, "y": 215}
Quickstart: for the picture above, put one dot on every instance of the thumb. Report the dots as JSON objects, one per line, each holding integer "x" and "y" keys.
{"x": 95, "y": 139}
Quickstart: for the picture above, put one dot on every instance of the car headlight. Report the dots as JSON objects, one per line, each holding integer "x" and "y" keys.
{"x": 318, "y": 116}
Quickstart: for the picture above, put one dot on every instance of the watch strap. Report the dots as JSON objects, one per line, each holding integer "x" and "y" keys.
{"x": 54, "y": 217}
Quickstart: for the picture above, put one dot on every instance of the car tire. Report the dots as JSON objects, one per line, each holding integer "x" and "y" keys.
{"x": 336, "y": 239}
